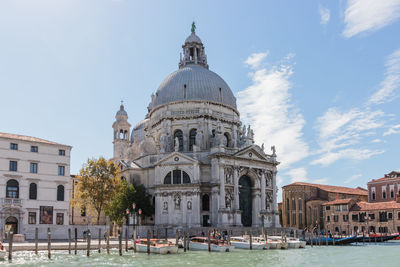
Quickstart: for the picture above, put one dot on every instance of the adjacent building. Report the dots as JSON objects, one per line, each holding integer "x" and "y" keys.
{"x": 34, "y": 185}
{"x": 196, "y": 159}
{"x": 302, "y": 203}
{"x": 384, "y": 189}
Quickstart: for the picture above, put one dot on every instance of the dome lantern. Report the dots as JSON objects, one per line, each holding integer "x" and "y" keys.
{"x": 193, "y": 51}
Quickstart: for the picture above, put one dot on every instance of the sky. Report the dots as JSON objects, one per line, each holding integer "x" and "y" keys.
{"x": 320, "y": 80}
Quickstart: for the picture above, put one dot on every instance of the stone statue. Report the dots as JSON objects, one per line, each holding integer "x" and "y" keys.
{"x": 177, "y": 201}
{"x": 199, "y": 138}
{"x": 251, "y": 134}
{"x": 243, "y": 133}
{"x": 248, "y": 131}
{"x": 176, "y": 144}
{"x": 193, "y": 27}
{"x": 165, "y": 206}
{"x": 189, "y": 205}
{"x": 273, "y": 151}
{"x": 262, "y": 147}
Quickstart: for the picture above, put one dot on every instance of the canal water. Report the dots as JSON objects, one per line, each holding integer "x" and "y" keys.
{"x": 387, "y": 254}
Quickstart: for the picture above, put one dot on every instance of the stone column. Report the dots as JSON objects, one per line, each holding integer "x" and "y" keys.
{"x": 221, "y": 186}
{"x": 236, "y": 187}
{"x": 275, "y": 221}
{"x": 195, "y": 55}
{"x": 262, "y": 190}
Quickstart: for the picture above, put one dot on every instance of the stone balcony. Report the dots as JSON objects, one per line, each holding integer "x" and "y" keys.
{"x": 11, "y": 202}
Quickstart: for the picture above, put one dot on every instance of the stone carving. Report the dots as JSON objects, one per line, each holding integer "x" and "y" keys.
{"x": 268, "y": 178}
{"x": 219, "y": 137}
{"x": 165, "y": 206}
{"x": 177, "y": 201}
{"x": 262, "y": 147}
{"x": 189, "y": 205}
{"x": 228, "y": 175}
{"x": 228, "y": 198}
{"x": 273, "y": 151}
{"x": 199, "y": 138}
{"x": 268, "y": 201}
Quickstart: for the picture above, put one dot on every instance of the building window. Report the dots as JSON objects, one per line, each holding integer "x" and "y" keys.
{"x": 46, "y": 215}
{"x": 390, "y": 216}
{"x": 14, "y": 146}
{"x": 83, "y": 212}
{"x": 60, "y": 218}
{"x": 384, "y": 194}
{"x": 178, "y": 177}
{"x": 373, "y": 196}
{"x": 60, "y": 193}
{"x": 371, "y": 216}
{"x": 344, "y": 207}
{"x": 391, "y": 194}
{"x": 34, "y": 149}
{"x": 32, "y": 191}
{"x": 178, "y": 134}
{"x": 337, "y": 207}
{"x": 192, "y": 138}
{"x": 398, "y": 215}
{"x": 167, "y": 179}
{"x": 345, "y": 218}
{"x": 299, "y": 202}
{"x": 61, "y": 152}
{"x": 13, "y": 166}
{"x": 32, "y": 217}
{"x": 186, "y": 178}
{"x": 61, "y": 170}
{"x": 354, "y": 217}
{"x": 328, "y": 208}
{"x": 205, "y": 201}
{"x": 293, "y": 204}
{"x": 12, "y": 189}
{"x": 335, "y": 218}
{"x": 383, "y": 216}
{"x": 34, "y": 167}
{"x": 328, "y": 218}
{"x": 293, "y": 218}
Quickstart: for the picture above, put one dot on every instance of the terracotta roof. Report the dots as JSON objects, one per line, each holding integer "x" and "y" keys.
{"x": 388, "y": 179}
{"x": 334, "y": 189}
{"x": 365, "y": 206}
{"x": 338, "y": 201}
{"x": 27, "y": 138}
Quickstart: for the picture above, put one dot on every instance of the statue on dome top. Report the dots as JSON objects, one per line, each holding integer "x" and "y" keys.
{"x": 193, "y": 27}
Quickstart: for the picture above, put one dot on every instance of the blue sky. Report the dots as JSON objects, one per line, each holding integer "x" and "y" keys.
{"x": 318, "y": 79}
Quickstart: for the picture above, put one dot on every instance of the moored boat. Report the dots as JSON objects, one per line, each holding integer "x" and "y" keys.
{"x": 201, "y": 243}
{"x": 276, "y": 242}
{"x": 157, "y": 246}
{"x": 244, "y": 243}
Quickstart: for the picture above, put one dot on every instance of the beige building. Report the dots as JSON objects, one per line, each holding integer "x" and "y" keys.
{"x": 302, "y": 203}
{"x": 34, "y": 185}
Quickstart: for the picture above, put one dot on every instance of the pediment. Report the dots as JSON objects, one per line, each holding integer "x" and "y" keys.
{"x": 176, "y": 158}
{"x": 252, "y": 152}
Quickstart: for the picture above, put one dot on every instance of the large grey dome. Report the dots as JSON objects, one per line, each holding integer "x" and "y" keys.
{"x": 193, "y": 82}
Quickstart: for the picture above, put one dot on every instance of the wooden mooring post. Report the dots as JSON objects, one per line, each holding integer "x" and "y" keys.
{"x": 126, "y": 238}
{"x": 311, "y": 238}
{"x": 10, "y": 244}
{"x": 166, "y": 233}
{"x": 134, "y": 239}
{"x": 148, "y": 242}
{"x": 48, "y": 243}
{"x": 89, "y": 238}
{"x": 69, "y": 240}
{"x": 36, "y": 240}
{"x": 76, "y": 240}
{"x": 184, "y": 241}
{"x": 229, "y": 237}
{"x": 120, "y": 242}
{"x": 187, "y": 240}
{"x": 251, "y": 240}
{"x": 209, "y": 240}
{"x": 326, "y": 236}
{"x": 99, "y": 248}
{"x": 177, "y": 238}
{"x": 108, "y": 241}
{"x": 158, "y": 233}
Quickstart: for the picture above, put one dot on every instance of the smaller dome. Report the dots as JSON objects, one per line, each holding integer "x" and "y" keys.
{"x": 121, "y": 111}
{"x": 193, "y": 38}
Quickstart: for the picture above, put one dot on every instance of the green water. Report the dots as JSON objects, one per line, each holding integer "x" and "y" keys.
{"x": 387, "y": 254}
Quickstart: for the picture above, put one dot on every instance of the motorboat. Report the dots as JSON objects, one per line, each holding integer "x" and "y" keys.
{"x": 201, "y": 243}
{"x": 244, "y": 243}
{"x": 157, "y": 246}
{"x": 293, "y": 243}
{"x": 276, "y": 242}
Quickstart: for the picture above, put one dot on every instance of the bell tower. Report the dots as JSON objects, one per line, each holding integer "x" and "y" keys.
{"x": 193, "y": 51}
{"x": 121, "y": 129}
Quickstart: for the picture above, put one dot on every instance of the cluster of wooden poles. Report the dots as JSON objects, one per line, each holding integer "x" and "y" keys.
{"x": 150, "y": 233}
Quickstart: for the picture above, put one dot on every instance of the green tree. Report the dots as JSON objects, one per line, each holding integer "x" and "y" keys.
{"x": 128, "y": 194}
{"x": 98, "y": 183}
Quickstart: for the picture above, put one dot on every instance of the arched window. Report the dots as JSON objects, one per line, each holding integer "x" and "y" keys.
{"x": 205, "y": 202}
{"x": 121, "y": 134}
{"x": 12, "y": 190}
{"x": 179, "y": 134}
{"x": 60, "y": 193}
{"x": 186, "y": 178}
{"x": 177, "y": 177}
{"x": 227, "y": 139}
{"x": 167, "y": 179}
{"x": 192, "y": 138}
{"x": 32, "y": 191}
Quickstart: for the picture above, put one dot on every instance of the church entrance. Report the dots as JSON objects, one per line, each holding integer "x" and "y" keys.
{"x": 245, "y": 200}
{"x": 11, "y": 225}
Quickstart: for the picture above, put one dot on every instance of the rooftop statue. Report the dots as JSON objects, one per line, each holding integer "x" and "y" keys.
{"x": 193, "y": 27}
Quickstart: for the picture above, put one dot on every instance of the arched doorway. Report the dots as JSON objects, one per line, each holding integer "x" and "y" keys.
{"x": 245, "y": 200}
{"x": 11, "y": 224}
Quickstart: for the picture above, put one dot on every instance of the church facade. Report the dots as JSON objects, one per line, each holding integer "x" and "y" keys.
{"x": 193, "y": 154}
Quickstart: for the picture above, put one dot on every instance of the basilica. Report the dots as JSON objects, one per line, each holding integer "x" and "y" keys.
{"x": 193, "y": 154}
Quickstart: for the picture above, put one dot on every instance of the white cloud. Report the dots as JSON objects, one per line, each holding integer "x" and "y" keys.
{"x": 255, "y": 59}
{"x": 352, "y": 178}
{"x": 320, "y": 181}
{"x": 391, "y": 82}
{"x": 377, "y": 140}
{"x": 341, "y": 132}
{"x": 298, "y": 174}
{"x": 266, "y": 105}
{"x": 325, "y": 14}
{"x": 369, "y": 15}
{"x": 395, "y": 129}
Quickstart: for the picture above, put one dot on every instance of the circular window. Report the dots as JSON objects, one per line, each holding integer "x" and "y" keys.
{"x": 250, "y": 154}
{"x": 176, "y": 158}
